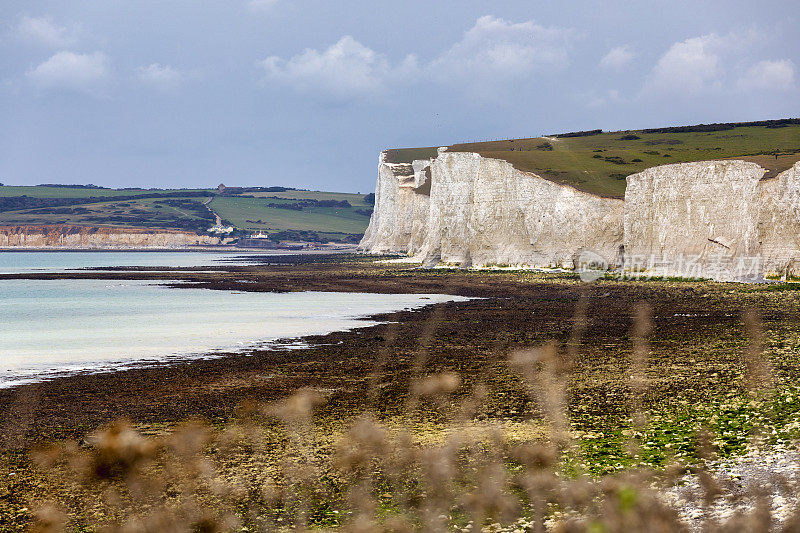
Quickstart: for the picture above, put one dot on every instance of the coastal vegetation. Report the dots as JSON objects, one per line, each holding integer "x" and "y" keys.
{"x": 597, "y": 161}
{"x": 158, "y": 212}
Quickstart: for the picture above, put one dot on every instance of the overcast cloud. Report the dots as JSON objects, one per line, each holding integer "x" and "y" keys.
{"x": 305, "y": 93}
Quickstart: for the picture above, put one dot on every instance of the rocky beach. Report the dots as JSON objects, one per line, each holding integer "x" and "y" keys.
{"x": 372, "y": 369}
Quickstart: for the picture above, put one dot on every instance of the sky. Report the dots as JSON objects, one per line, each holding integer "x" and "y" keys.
{"x": 305, "y": 93}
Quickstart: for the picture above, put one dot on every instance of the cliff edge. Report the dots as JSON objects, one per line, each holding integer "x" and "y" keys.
{"x": 694, "y": 219}
{"x": 717, "y": 219}
{"x": 464, "y": 209}
{"x": 483, "y": 212}
{"x": 88, "y": 237}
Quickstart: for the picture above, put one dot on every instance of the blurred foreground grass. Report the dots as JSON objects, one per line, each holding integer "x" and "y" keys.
{"x": 442, "y": 464}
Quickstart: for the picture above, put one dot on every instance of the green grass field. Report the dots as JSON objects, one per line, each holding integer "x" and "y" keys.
{"x": 599, "y": 163}
{"x": 356, "y": 200}
{"x": 249, "y": 211}
{"x": 256, "y": 214}
{"x": 167, "y": 213}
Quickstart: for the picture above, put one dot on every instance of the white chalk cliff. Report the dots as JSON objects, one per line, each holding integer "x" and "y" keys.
{"x": 399, "y": 221}
{"x": 470, "y": 210}
{"x": 714, "y": 219}
{"x": 484, "y": 211}
{"x": 779, "y": 223}
{"x": 693, "y": 219}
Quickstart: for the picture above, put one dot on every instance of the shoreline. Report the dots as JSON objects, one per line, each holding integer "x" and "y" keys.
{"x": 472, "y": 338}
{"x": 70, "y": 406}
{"x": 203, "y": 248}
{"x": 244, "y": 347}
{"x": 695, "y": 360}
{"x": 140, "y": 391}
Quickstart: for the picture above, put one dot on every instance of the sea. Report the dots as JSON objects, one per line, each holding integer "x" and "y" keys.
{"x": 55, "y": 328}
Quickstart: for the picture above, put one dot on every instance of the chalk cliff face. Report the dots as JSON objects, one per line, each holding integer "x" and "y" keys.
{"x": 779, "y": 223}
{"x": 399, "y": 221}
{"x": 694, "y": 219}
{"x": 466, "y": 209}
{"x": 714, "y": 219}
{"x": 98, "y": 237}
{"x": 484, "y": 211}
{"x": 709, "y": 219}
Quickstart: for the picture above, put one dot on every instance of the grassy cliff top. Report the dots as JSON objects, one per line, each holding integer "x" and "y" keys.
{"x": 598, "y": 162}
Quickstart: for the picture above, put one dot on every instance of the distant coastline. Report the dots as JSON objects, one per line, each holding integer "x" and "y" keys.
{"x": 316, "y": 249}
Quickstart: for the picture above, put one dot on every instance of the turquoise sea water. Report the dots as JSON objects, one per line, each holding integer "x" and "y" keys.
{"x": 57, "y": 327}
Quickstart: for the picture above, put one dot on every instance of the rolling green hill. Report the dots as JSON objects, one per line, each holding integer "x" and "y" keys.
{"x": 169, "y": 213}
{"x": 598, "y": 162}
{"x": 307, "y": 212}
{"x": 285, "y": 213}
